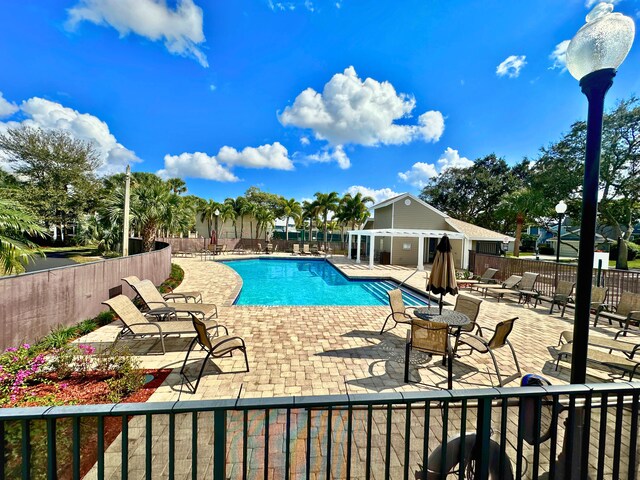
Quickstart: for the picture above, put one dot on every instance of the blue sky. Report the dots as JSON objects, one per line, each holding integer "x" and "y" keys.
{"x": 297, "y": 96}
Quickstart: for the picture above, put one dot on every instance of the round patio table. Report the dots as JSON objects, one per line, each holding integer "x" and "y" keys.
{"x": 451, "y": 318}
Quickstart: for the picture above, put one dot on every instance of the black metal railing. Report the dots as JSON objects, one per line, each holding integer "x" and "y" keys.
{"x": 574, "y": 431}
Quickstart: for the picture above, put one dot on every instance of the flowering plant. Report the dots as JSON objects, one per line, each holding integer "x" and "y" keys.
{"x": 18, "y": 366}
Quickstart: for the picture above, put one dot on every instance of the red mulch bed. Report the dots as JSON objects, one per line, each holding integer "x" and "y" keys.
{"x": 91, "y": 389}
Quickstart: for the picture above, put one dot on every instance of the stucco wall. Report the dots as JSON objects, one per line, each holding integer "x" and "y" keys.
{"x": 34, "y": 303}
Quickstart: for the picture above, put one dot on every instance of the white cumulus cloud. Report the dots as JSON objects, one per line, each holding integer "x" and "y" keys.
{"x": 219, "y": 167}
{"x": 7, "y": 108}
{"x": 273, "y": 156}
{"x": 591, "y": 3}
{"x": 48, "y": 115}
{"x": 180, "y": 29}
{"x": 195, "y": 165}
{"x": 452, "y": 159}
{"x": 378, "y": 195}
{"x": 511, "y": 66}
{"x": 337, "y": 155}
{"x": 360, "y": 112}
{"x": 419, "y": 174}
{"x": 559, "y": 55}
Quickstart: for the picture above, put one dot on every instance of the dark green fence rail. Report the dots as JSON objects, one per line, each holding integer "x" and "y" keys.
{"x": 576, "y": 431}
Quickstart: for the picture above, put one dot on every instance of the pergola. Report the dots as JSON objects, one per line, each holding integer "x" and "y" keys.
{"x": 400, "y": 232}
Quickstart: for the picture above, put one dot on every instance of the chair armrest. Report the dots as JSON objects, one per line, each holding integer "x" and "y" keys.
{"x": 161, "y": 305}
{"x": 625, "y": 331}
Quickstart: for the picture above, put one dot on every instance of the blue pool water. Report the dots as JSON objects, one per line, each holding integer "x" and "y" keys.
{"x": 307, "y": 282}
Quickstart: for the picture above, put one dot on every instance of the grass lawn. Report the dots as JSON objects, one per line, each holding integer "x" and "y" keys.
{"x": 77, "y": 254}
{"x": 632, "y": 263}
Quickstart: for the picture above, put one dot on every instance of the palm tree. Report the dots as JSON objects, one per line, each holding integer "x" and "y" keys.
{"x": 522, "y": 204}
{"x": 355, "y": 208}
{"x": 310, "y": 212}
{"x": 15, "y": 225}
{"x": 208, "y": 213}
{"x": 149, "y": 205}
{"x": 264, "y": 219}
{"x": 326, "y": 202}
{"x": 227, "y": 213}
{"x": 290, "y": 209}
{"x": 177, "y": 185}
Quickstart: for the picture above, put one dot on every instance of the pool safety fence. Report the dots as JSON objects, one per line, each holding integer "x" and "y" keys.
{"x": 575, "y": 431}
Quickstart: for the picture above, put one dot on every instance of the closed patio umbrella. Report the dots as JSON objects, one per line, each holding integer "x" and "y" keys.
{"x": 443, "y": 274}
{"x": 214, "y": 237}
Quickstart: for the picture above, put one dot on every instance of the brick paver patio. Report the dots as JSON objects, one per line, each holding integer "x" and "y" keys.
{"x": 337, "y": 350}
{"x": 329, "y": 350}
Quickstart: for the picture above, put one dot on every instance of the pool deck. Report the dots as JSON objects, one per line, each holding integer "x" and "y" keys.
{"x": 337, "y": 350}
{"x": 329, "y": 350}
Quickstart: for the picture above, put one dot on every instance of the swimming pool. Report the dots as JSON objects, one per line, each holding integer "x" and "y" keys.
{"x": 308, "y": 282}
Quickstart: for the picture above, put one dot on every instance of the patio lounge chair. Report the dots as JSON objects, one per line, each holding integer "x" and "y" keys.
{"x": 602, "y": 358}
{"x": 498, "y": 340}
{"x": 155, "y": 303}
{"x": 627, "y": 311}
{"x": 398, "y": 310}
{"x": 138, "y": 325}
{"x": 215, "y": 347}
{"x": 485, "y": 279}
{"x": 429, "y": 337}
{"x": 295, "y": 249}
{"x": 526, "y": 287}
{"x": 598, "y": 299}
{"x": 499, "y": 290}
{"x": 186, "y": 296}
{"x": 628, "y": 348}
{"x": 305, "y": 249}
{"x": 560, "y": 297}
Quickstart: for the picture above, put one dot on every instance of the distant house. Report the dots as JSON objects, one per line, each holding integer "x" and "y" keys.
{"x": 405, "y": 231}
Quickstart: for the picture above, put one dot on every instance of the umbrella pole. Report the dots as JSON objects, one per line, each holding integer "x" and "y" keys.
{"x": 441, "y": 295}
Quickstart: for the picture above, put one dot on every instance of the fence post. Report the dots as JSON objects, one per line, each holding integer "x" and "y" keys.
{"x": 219, "y": 444}
{"x": 483, "y": 438}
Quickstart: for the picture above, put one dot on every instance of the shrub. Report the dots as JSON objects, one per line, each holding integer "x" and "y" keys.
{"x": 546, "y": 250}
{"x": 71, "y": 358}
{"x": 633, "y": 251}
{"x": 127, "y": 377}
{"x": 175, "y": 279}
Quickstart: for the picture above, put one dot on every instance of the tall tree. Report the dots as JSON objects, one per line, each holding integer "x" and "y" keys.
{"x": 291, "y": 209}
{"x": 522, "y": 205}
{"x": 472, "y": 194}
{"x": 354, "y": 209}
{"x": 57, "y": 170}
{"x": 177, "y": 185}
{"x": 326, "y": 202}
{"x": 310, "y": 212}
{"x": 208, "y": 214}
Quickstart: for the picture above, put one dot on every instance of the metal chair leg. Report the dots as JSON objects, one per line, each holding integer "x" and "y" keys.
{"x": 495, "y": 364}
{"x": 204, "y": 364}
{"x": 407, "y": 351}
{"x": 515, "y": 359}
{"x": 184, "y": 364}
{"x": 385, "y": 324}
{"x": 450, "y": 371}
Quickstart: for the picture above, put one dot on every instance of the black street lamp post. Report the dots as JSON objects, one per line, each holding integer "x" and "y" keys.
{"x": 561, "y": 207}
{"x": 593, "y": 55}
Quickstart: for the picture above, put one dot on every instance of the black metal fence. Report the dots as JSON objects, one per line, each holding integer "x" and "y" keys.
{"x": 617, "y": 281}
{"x": 577, "y": 431}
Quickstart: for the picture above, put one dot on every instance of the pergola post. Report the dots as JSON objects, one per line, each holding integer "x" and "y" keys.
{"x": 372, "y": 245}
{"x": 420, "y": 253}
{"x": 349, "y": 246}
{"x": 358, "y": 249}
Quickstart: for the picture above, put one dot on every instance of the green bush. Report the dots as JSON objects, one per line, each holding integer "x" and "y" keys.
{"x": 174, "y": 280}
{"x": 633, "y": 251}
{"x": 546, "y": 250}
{"x": 127, "y": 377}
